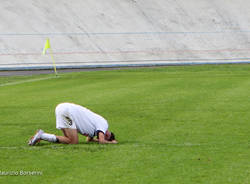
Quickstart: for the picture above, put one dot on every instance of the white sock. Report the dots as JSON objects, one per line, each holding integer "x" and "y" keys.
{"x": 49, "y": 137}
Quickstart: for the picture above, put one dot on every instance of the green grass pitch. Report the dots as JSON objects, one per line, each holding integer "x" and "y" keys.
{"x": 185, "y": 124}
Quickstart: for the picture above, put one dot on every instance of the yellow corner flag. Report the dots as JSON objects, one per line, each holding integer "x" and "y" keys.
{"x": 46, "y": 47}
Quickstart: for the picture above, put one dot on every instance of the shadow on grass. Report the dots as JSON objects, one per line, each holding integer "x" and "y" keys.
{"x": 96, "y": 147}
{"x": 95, "y": 144}
{"x": 82, "y": 146}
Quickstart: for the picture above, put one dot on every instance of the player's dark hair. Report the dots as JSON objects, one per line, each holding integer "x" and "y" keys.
{"x": 112, "y": 136}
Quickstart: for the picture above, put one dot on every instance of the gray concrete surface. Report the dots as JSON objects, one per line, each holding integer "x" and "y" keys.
{"x": 107, "y": 33}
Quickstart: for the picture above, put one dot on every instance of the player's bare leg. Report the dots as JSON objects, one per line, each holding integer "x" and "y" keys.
{"x": 70, "y": 136}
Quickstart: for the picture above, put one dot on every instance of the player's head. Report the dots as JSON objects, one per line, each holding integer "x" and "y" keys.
{"x": 112, "y": 137}
{"x": 109, "y": 136}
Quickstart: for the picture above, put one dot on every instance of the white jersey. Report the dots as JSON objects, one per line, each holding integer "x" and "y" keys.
{"x": 69, "y": 115}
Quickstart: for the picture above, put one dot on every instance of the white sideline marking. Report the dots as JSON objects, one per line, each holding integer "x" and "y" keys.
{"x": 28, "y": 147}
{"x": 25, "y": 81}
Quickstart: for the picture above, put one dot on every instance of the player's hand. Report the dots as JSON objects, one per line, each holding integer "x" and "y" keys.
{"x": 114, "y": 141}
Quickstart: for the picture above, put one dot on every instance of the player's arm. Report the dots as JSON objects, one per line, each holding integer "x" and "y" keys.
{"x": 102, "y": 140}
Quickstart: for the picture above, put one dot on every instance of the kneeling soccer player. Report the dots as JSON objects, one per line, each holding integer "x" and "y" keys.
{"x": 73, "y": 119}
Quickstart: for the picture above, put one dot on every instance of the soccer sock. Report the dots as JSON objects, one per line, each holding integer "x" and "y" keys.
{"x": 49, "y": 137}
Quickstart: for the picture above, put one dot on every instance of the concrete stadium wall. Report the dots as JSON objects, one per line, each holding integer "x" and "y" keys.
{"x": 86, "y": 33}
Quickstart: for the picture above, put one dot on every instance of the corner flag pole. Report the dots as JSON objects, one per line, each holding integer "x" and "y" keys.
{"x": 46, "y": 47}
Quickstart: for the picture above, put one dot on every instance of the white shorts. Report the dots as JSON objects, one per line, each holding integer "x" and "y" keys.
{"x": 63, "y": 118}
